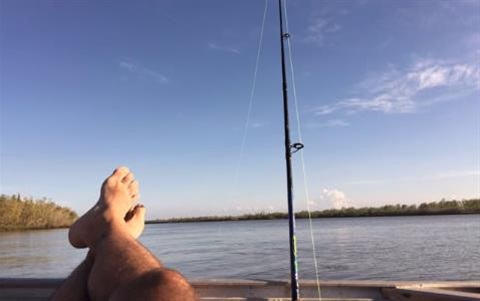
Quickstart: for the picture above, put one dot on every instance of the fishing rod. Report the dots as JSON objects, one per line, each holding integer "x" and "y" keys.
{"x": 289, "y": 150}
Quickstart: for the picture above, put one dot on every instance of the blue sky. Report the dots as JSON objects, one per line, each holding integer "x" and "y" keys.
{"x": 388, "y": 91}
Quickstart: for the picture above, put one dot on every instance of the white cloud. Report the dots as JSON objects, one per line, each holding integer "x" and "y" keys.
{"x": 335, "y": 198}
{"x": 319, "y": 28}
{"x": 229, "y": 49}
{"x": 403, "y": 91}
{"x": 430, "y": 78}
{"x": 144, "y": 72}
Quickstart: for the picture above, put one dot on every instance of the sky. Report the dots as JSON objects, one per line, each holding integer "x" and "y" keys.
{"x": 388, "y": 98}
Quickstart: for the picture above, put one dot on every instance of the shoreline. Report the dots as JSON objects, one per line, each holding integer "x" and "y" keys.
{"x": 236, "y": 219}
{"x": 24, "y": 229}
{"x": 444, "y": 207}
{"x": 242, "y": 218}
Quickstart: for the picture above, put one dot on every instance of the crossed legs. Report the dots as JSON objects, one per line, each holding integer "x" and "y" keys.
{"x": 117, "y": 266}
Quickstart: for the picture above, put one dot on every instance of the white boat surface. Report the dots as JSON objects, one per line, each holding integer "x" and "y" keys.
{"x": 35, "y": 289}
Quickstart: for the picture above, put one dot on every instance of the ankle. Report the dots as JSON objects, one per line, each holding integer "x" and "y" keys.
{"x": 113, "y": 231}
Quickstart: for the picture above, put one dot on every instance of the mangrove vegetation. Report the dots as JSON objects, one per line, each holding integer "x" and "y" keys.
{"x": 471, "y": 206}
{"x": 22, "y": 213}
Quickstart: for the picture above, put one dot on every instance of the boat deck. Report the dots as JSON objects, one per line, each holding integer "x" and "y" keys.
{"x": 28, "y": 289}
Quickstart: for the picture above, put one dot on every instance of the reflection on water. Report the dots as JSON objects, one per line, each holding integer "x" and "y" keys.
{"x": 390, "y": 248}
{"x": 37, "y": 254}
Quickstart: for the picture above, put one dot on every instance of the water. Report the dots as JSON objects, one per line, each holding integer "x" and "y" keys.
{"x": 387, "y": 248}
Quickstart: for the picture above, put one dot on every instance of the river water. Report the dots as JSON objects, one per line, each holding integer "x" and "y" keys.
{"x": 387, "y": 248}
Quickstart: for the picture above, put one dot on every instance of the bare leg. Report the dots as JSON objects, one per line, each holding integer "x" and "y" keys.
{"x": 123, "y": 269}
{"x": 75, "y": 288}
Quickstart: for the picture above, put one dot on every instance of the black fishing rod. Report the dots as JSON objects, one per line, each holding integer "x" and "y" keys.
{"x": 289, "y": 150}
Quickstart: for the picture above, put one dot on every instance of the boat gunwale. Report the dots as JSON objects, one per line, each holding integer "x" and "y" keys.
{"x": 201, "y": 282}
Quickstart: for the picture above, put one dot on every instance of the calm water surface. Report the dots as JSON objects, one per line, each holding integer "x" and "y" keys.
{"x": 389, "y": 248}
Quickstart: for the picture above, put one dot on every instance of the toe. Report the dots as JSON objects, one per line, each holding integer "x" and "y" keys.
{"x": 139, "y": 209}
{"x": 135, "y": 197}
{"x": 136, "y": 223}
{"x": 129, "y": 178}
{"x": 136, "y": 212}
{"x": 133, "y": 187}
{"x": 117, "y": 175}
{"x": 139, "y": 212}
{"x": 121, "y": 172}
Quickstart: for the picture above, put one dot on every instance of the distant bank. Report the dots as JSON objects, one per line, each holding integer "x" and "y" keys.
{"x": 24, "y": 213}
{"x": 444, "y": 207}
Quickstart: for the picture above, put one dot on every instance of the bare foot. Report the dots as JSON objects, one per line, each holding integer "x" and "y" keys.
{"x": 118, "y": 193}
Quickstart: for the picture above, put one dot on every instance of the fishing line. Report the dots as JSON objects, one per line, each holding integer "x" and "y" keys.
{"x": 250, "y": 104}
{"x": 302, "y": 158}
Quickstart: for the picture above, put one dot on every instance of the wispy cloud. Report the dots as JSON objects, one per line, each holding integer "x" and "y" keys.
{"x": 319, "y": 28}
{"x": 258, "y": 124}
{"x": 143, "y": 71}
{"x": 432, "y": 14}
{"x": 402, "y": 91}
{"x": 456, "y": 174}
{"x": 223, "y": 48}
{"x": 450, "y": 174}
{"x": 332, "y": 123}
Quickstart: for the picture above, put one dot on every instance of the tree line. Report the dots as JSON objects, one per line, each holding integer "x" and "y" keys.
{"x": 443, "y": 207}
{"x": 21, "y": 213}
